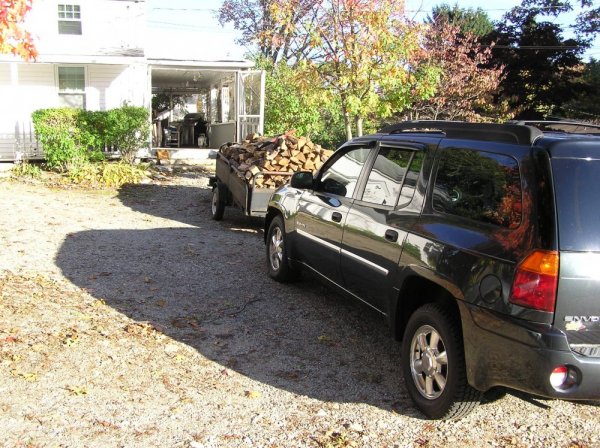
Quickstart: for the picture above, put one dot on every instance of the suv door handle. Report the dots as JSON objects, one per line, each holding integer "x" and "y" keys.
{"x": 336, "y": 217}
{"x": 391, "y": 235}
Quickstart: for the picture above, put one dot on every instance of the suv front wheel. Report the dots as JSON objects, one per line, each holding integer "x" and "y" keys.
{"x": 433, "y": 364}
{"x": 277, "y": 252}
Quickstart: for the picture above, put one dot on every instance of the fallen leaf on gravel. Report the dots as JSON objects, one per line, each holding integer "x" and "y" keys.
{"x": 141, "y": 329}
{"x": 161, "y": 303}
{"x": 10, "y": 339}
{"x": 334, "y": 439}
{"x": 179, "y": 322}
{"x": 252, "y": 394}
{"x": 107, "y": 424}
{"x": 77, "y": 390}
{"x": 31, "y": 377}
{"x": 147, "y": 280}
{"x": 99, "y": 303}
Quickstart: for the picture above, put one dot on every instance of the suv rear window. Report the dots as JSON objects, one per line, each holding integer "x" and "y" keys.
{"x": 577, "y": 186}
{"x": 479, "y": 185}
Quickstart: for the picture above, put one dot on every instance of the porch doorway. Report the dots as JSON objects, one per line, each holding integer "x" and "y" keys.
{"x": 197, "y": 107}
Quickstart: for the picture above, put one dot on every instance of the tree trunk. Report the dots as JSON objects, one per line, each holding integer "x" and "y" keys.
{"x": 348, "y": 123}
{"x": 359, "y": 126}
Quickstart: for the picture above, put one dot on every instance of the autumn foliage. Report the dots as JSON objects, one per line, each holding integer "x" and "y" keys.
{"x": 14, "y": 39}
{"x": 466, "y": 85}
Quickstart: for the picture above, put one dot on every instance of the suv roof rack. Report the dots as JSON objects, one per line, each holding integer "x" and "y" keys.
{"x": 507, "y": 133}
{"x": 568, "y": 127}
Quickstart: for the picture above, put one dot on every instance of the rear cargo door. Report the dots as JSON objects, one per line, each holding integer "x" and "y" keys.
{"x": 577, "y": 187}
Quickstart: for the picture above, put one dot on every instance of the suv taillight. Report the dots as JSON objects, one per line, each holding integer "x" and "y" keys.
{"x": 536, "y": 281}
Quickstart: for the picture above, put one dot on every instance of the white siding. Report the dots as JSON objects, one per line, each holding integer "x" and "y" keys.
{"x": 108, "y": 27}
{"x": 110, "y": 86}
{"x": 4, "y": 74}
{"x": 28, "y": 87}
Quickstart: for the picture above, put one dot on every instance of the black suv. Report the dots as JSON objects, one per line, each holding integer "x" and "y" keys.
{"x": 479, "y": 243}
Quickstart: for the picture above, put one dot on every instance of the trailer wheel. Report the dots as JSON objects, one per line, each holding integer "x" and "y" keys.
{"x": 217, "y": 206}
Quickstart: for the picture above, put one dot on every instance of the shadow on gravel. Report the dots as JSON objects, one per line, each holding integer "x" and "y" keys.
{"x": 185, "y": 204}
{"x": 164, "y": 201}
{"x": 208, "y": 287}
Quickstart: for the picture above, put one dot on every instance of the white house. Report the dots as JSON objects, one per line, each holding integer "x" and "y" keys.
{"x": 92, "y": 55}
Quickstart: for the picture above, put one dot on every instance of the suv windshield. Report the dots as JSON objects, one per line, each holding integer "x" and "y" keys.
{"x": 577, "y": 184}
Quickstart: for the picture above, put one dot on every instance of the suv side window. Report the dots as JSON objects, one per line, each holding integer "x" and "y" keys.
{"x": 342, "y": 175}
{"x": 389, "y": 172}
{"x": 479, "y": 185}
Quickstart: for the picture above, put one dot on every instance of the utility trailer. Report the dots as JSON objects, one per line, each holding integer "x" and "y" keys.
{"x": 230, "y": 187}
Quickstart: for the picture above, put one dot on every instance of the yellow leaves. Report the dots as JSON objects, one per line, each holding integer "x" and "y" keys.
{"x": 324, "y": 338}
{"x": 77, "y": 390}
{"x": 180, "y": 358}
{"x": 252, "y": 394}
{"x": 27, "y": 376}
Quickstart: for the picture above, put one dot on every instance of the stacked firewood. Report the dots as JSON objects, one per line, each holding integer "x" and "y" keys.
{"x": 272, "y": 160}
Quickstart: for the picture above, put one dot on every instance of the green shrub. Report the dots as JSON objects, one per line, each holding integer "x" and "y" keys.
{"x": 60, "y": 137}
{"x": 93, "y": 127}
{"x": 107, "y": 174}
{"x": 128, "y": 129}
{"x": 71, "y": 137}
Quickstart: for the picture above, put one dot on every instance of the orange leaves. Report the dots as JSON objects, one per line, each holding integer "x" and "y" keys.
{"x": 13, "y": 37}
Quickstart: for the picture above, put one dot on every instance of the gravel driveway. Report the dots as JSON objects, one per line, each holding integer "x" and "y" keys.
{"x": 130, "y": 318}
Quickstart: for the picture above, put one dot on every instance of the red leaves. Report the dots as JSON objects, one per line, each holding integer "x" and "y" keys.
{"x": 465, "y": 90}
{"x": 13, "y": 37}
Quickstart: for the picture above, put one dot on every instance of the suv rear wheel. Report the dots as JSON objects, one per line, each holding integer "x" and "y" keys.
{"x": 433, "y": 364}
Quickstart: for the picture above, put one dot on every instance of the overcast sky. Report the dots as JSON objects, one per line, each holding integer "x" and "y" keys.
{"x": 189, "y": 28}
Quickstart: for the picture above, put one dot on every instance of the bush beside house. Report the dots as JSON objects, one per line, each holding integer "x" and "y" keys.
{"x": 73, "y": 141}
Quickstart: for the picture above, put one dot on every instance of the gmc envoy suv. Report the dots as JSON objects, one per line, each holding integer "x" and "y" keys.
{"x": 479, "y": 244}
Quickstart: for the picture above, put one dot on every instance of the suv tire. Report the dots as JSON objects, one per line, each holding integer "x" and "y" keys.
{"x": 277, "y": 256}
{"x": 433, "y": 364}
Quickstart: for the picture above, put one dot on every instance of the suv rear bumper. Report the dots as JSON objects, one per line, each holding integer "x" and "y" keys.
{"x": 503, "y": 351}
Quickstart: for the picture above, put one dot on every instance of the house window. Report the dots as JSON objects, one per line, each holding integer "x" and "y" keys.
{"x": 71, "y": 87}
{"x": 69, "y": 19}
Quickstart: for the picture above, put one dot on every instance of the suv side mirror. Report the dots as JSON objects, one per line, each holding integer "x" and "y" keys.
{"x": 303, "y": 180}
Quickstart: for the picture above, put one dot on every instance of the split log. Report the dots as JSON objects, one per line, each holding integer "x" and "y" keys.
{"x": 257, "y": 158}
